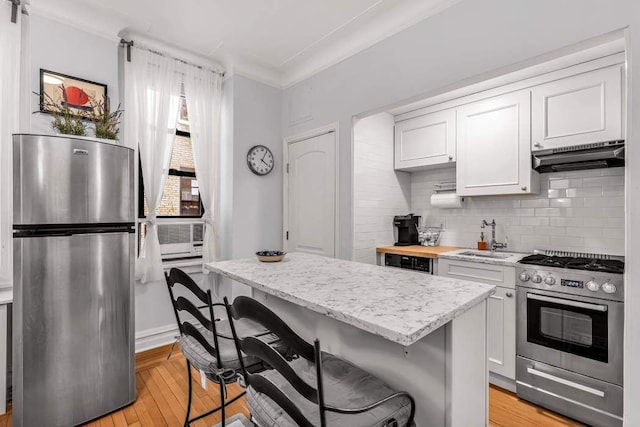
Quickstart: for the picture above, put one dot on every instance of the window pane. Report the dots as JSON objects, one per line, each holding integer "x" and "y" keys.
{"x": 181, "y": 195}
{"x": 178, "y": 198}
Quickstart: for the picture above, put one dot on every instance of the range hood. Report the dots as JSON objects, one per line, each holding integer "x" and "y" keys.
{"x": 578, "y": 157}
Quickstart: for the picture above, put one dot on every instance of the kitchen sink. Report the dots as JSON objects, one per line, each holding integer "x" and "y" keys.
{"x": 485, "y": 254}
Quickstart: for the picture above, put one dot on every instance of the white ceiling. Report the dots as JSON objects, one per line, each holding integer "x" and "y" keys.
{"x": 279, "y": 42}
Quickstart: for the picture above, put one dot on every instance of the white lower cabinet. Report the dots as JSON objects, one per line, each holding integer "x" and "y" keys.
{"x": 501, "y": 313}
{"x": 501, "y": 337}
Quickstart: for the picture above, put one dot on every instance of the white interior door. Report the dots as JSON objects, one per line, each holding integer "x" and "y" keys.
{"x": 312, "y": 195}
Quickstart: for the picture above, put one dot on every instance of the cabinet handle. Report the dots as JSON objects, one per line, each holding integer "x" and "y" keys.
{"x": 509, "y": 294}
{"x": 537, "y": 145}
{"x": 524, "y": 188}
{"x": 450, "y": 158}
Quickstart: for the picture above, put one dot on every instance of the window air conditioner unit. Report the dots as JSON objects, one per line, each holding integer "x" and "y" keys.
{"x": 179, "y": 240}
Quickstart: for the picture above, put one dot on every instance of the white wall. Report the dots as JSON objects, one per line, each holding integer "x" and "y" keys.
{"x": 257, "y": 200}
{"x": 379, "y": 192}
{"x": 580, "y": 211}
{"x": 471, "y": 38}
{"x": 67, "y": 50}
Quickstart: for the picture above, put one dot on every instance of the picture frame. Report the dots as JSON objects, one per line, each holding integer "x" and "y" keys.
{"x": 79, "y": 92}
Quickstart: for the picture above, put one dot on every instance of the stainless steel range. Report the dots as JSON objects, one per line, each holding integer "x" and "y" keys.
{"x": 570, "y": 335}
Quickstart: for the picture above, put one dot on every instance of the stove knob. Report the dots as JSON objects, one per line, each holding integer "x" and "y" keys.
{"x": 608, "y": 288}
{"x": 550, "y": 280}
{"x": 593, "y": 286}
{"x": 536, "y": 278}
{"x": 524, "y": 276}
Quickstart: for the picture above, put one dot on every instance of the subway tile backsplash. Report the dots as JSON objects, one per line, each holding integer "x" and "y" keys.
{"x": 575, "y": 211}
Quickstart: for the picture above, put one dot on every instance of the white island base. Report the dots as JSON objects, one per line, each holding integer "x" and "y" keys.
{"x": 422, "y": 334}
{"x": 445, "y": 372}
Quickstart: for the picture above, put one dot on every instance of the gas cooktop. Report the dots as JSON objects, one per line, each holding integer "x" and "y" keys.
{"x": 576, "y": 263}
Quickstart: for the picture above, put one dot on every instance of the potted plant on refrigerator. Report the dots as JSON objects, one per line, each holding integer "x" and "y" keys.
{"x": 65, "y": 121}
{"x": 106, "y": 121}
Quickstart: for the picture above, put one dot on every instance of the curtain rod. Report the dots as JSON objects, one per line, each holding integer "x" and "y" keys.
{"x": 129, "y": 43}
{"x": 14, "y": 10}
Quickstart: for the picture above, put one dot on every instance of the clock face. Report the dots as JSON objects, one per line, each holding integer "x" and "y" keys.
{"x": 260, "y": 160}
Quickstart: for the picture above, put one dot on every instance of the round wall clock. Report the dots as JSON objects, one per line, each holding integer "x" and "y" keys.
{"x": 260, "y": 160}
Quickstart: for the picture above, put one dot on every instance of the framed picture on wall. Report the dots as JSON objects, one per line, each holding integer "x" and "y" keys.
{"x": 60, "y": 90}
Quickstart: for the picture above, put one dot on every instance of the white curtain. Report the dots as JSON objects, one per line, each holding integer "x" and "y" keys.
{"x": 203, "y": 92}
{"x": 152, "y": 92}
{"x": 14, "y": 113}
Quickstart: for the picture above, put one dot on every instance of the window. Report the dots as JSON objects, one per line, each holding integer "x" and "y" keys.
{"x": 181, "y": 196}
{"x": 180, "y": 239}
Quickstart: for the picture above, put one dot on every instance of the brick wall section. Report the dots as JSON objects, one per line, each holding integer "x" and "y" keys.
{"x": 182, "y": 154}
{"x": 181, "y": 158}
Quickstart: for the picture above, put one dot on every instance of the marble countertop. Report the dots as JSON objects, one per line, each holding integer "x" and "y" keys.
{"x": 400, "y": 305}
{"x": 511, "y": 260}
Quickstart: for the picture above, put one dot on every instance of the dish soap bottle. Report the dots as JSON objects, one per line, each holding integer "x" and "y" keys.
{"x": 482, "y": 245}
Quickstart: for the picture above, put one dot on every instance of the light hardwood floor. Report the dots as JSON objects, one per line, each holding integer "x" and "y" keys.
{"x": 162, "y": 397}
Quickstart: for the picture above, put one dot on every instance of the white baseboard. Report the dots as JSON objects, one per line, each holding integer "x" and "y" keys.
{"x": 155, "y": 337}
{"x": 502, "y": 382}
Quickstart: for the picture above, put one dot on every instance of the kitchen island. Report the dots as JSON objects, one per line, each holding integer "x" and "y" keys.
{"x": 419, "y": 333}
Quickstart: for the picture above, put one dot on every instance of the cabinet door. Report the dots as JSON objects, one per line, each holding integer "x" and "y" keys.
{"x": 494, "y": 151}
{"x": 578, "y": 110}
{"x": 426, "y": 141}
{"x": 501, "y": 332}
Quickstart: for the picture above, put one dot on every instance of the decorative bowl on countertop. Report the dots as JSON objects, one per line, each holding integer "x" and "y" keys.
{"x": 270, "y": 256}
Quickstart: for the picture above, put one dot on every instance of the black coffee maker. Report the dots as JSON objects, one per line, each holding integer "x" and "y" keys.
{"x": 407, "y": 229}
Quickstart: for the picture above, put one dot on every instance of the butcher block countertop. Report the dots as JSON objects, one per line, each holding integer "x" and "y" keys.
{"x": 417, "y": 250}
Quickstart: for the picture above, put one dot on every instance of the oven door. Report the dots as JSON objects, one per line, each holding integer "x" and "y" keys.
{"x": 580, "y": 334}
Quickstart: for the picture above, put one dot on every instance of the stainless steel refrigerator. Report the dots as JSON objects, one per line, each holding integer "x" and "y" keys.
{"x": 73, "y": 241}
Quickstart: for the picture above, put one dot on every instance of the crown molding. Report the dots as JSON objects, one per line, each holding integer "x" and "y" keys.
{"x": 256, "y": 72}
{"x": 376, "y": 31}
{"x": 100, "y": 27}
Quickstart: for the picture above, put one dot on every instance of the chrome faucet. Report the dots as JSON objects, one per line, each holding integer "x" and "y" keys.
{"x": 493, "y": 245}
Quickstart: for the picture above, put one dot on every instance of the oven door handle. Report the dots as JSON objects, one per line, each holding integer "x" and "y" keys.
{"x": 578, "y": 304}
{"x": 566, "y": 382}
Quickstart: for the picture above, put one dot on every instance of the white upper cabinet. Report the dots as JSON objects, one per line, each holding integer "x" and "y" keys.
{"x": 426, "y": 141}
{"x": 577, "y": 110}
{"x": 494, "y": 147}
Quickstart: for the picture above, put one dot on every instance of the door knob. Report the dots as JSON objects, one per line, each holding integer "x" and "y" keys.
{"x": 509, "y": 294}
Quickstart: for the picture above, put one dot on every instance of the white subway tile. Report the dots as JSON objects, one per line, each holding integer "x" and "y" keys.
{"x": 561, "y": 242}
{"x": 602, "y": 181}
{"x": 534, "y": 203}
{"x": 584, "y": 192}
{"x": 550, "y": 231}
{"x": 558, "y": 183}
{"x": 549, "y": 211}
{"x": 556, "y": 192}
{"x": 566, "y": 221}
{"x": 584, "y": 231}
{"x": 535, "y": 220}
{"x": 603, "y": 202}
{"x": 614, "y": 212}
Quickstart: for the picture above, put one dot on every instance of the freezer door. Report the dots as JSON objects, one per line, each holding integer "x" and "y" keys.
{"x": 73, "y": 328}
{"x": 71, "y": 181}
